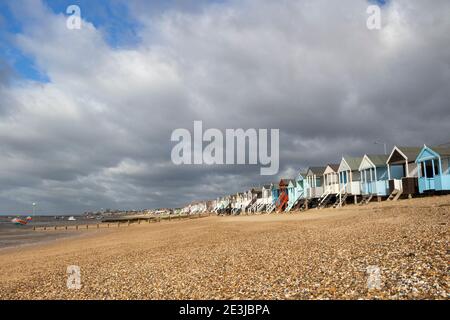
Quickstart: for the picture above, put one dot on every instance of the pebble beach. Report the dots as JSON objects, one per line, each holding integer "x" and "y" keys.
{"x": 317, "y": 254}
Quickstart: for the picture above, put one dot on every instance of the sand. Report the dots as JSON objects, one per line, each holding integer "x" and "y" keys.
{"x": 318, "y": 254}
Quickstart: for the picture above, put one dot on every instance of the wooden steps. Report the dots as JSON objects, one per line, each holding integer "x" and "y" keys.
{"x": 395, "y": 194}
{"x": 366, "y": 199}
{"x": 300, "y": 205}
{"x": 270, "y": 208}
{"x": 324, "y": 200}
{"x": 236, "y": 211}
{"x": 294, "y": 204}
{"x": 260, "y": 207}
{"x": 340, "y": 200}
{"x": 253, "y": 207}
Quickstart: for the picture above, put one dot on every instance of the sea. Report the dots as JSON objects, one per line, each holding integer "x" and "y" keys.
{"x": 12, "y": 235}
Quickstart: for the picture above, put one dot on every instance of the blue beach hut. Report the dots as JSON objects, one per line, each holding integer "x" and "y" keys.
{"x": 433, "y": 169}
{"x": 374, "y": 175}
{"x": 295, "y": 190}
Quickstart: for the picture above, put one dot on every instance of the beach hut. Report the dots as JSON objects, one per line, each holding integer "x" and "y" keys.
{"x": 229, "y": 202}
{"x": 254, "y": 194}
{"x": 266, "y": 196}
{"x": 330, "y": 179}
{"x": 314, "y": 181}
{"x": 330, "y": 185}
{"x": 433, "y": 169}
{"x": 203, "y": 207}
{"x": 402, "y": 172}
{"x": 195, "y": 207}
{"x": 275, "y": 194}
{"x": 257, "y": 195}
{"x": 186, "y": 209}
{"x": 246, "y": 200}
{"x": 291, "y": 194}
{"x": 219, "y": 203}
{"x": 350, "y": 177}
{"x": 236, "y": 208}
{"x": 234, "y": 203}
{"x": 283, "y": 197}
{"x": 216, "y": 205}
{"x": 210, "y": 205}
{"x": 224, "y": 205}
{"x": 296, "y": 191}
{"x": 300, "y": 185}
{"x": 374, "y": 176}
{"x": 243, "y": 199}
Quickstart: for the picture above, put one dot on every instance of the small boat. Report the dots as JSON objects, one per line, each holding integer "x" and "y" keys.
{"x": 71, "y": 218}
{"x": 20, "y": 222}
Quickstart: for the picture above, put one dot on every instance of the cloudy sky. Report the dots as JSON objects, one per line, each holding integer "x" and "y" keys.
{"x": 86, "y": 115}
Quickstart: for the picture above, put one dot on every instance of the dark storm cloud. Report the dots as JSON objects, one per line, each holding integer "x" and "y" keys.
{"x": 98, "y": 135}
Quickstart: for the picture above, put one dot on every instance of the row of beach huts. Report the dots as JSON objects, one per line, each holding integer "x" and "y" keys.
{"x": 406, "y": 172}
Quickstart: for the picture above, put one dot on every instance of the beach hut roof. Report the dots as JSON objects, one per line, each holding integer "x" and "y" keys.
{"x": 409, "y": 153}
{"x": 435, "y": 152}
{"x": 445, "y": 145}
{"x": 334, "y": 166}
{"x": 373, "y": 161}
{"x": 442, "y": 151}
{"x": 352, "y": 162}
{"x": 285, "y": 181}
{"x": 378, "y": 159}
{"x": 292, "y": 184}
{"x": 316, "y": 170}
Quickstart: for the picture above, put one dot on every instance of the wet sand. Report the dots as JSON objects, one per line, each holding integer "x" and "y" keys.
{"x": 15, "y": 239}
{"x": 318, "y": 254}
{"x": 14, "y": 236}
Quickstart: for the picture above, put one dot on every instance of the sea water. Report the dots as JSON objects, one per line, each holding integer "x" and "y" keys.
{"x": 12, "y": 235}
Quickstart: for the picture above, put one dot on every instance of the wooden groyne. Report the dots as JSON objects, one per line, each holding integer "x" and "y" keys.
{"x": 119, "y": 222}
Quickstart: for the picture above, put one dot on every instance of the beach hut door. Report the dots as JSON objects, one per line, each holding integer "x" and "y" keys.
{"x": 428, "y": 172}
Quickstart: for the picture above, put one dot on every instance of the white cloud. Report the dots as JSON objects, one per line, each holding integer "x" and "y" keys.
{"x": 98, "y": 134}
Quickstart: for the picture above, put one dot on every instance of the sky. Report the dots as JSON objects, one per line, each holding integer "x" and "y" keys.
{"x": 86, "y": 115}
